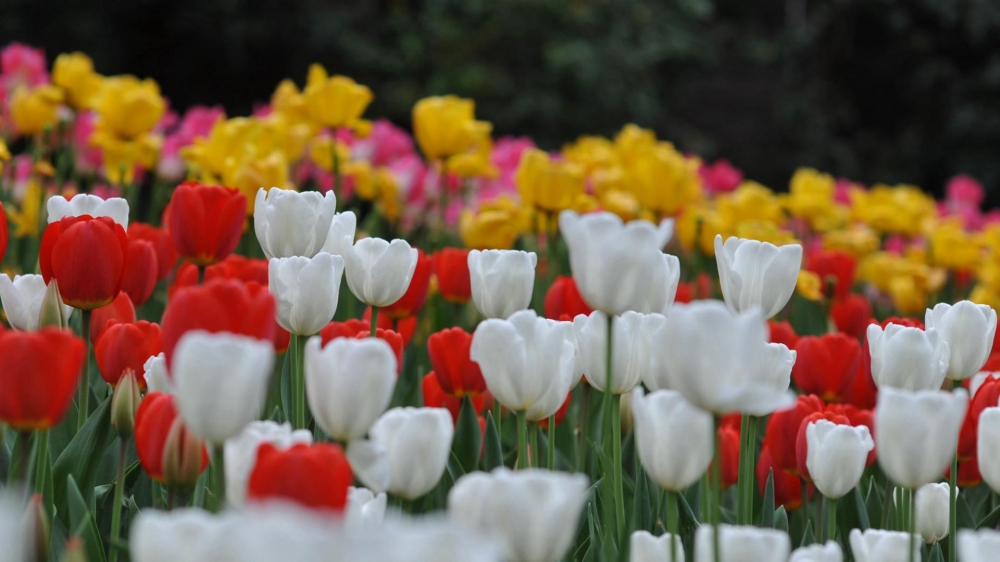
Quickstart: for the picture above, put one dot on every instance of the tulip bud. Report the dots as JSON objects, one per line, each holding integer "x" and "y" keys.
{"x": 379, "y": 272}
{"x": 931, "y": 502}
{"x": 23, "y": 300}
{"x": 673, "y": 438}
{"x": 37, "y": 521}
{"x": 907, "y": 358}
{"x": 630, "y": 354}
{"x": 125, "y": 403}
{"x": 74, "y": 551}
{"x": 741, "y": 543}
{"x": 968, "y": 329}
{"x": 644, "y": 547}
{"x": 502, "y": 281}
{"x": 53, "y": 312}
{"x": 988, "y": 435}
{"x": 829, "y": 552}
{"x": 757, "y": 274}
{"x": 417, "y": 443}
{"x": 182, "y": 457}
{"x": 836, "y": 456}
{"x": 875, "y": 545}
{"x": 978, "y": 546}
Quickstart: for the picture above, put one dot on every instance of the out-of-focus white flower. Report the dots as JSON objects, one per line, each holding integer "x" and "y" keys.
{"x": 116, "y": 208}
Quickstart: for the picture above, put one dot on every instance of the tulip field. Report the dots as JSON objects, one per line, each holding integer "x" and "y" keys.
{"x": 304, "y": 334}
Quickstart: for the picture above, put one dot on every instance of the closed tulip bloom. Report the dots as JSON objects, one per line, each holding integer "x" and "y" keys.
{"x": 757, "y": 274}
{"x": 931, "y": 504}
{"x": 533, "y": 512}
{"x": 140, "y": 275}
{"x": 988, "y": 452}
{"x": 851, "y": 315}
{"x": 451, "y": 268}
{"x": 87, "y": 256}
{"x": 719, "y": 359}
{"x": 978, "y": 546}
{"x": 126, "y": 347}
{"x": 120, "y": 310}
{"x": 673, "y": 438}
{"x": 291, "y": 223}
{"x": 205, "y": 221}
{"x": 161, "y": 438}
{"x": 221, "y": 381}
{"x": 349, "y": 383}
{"x": 907, "y": 358}
{"x": 836, "y": 267}
{"x": 306, "y": 291}
{"x": 620, "y": 267}
{"x": 827, "y": 365}
{"x": 644, "y": 547}
{"x": 874, "y": 545}
{"x": 417, "y": 443}
{"x": 968, "y": 329}
{"x": 379, "y": 272}
{"x": 155, "y": 375}
{"x": 563, "y": 300}
{"x": 738, "y": 544}
{"x": 115, "y": 208}
{"x": 502, "y": 281}
{"x": 22, "y": 300}
{"x": 782, "y": 431}
{"x": 917, "y": 433}
{"x": 528, "y": 362}
{"x": 412, "y": 301}
{"x": 631, "y": 351}
{"x": 334, "y": 101}
{"x": 315, "y": 476}
{"x": 445, "y": 126}
{"x": 827, "y": 552}
{"x": 837, "y": 455}
{"x": 38, "y": 376}
{"x": 166, "y": 255}
{"x": 241, "y": 453}
{"x": 365, "y": 509}
{"x": 458, "y": 374}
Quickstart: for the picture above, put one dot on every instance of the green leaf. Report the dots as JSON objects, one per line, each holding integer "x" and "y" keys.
{"x": 859, "y": 512}
{"x": 286, "y": 385}
{"x": 641, "y": 509}
{"x": 781, "y": 519}
{"x": 493, "y": 453}
{"x": 82, "y": 521}
{"x": 991, "y": 519}
{"x": 807, "y": 537}
{"x": 965, "y": 518}
{"x": 82, "y": 458}
{"x": 468, "y": 437}
{"x": 767, "y": 508}
{"x": 936, "y": 554}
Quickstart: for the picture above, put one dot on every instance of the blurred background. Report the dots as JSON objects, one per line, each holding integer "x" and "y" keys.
{"x": 872, "y": 90}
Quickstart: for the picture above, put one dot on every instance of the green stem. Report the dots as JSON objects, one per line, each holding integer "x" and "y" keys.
{"x": 673, "y": 523}
{"x": 534, "y": 458}
{"x": 297, "y": 349}
{"x": 831, "y": 519}
{"x": 522, "y": 440}
{"x": 218, "y": 477}
{"x": 83, "y": 389}
{"x": 887, "y": 503}
{"x": 584, "y": 435}
{"x": 911, "y": 524}
{"x": 374, "y": 320}
{"x": 953, "y": 510}
{"x": 497, "y": 410}
{"x": 717, "y": 491}
{"x": 704, "y": 495}
{"x": 552, "y": 443}
{"x": 616, "y": 443}
{"x": 742, "y": 512}
{"x": 18, "y": 470}
{"x": 116, "y": 508}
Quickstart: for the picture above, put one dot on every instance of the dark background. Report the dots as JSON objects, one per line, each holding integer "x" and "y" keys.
{"x": 874, "y": 90}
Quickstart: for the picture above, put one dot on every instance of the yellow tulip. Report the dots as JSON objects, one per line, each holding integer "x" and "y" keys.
{"x": 365, "y": 186}
{"x": 954, "y": 248}
{"x": 226, "y": 140}
{"x": 74, "y": 73}
{"x": 858, "y": 241}
{"x": 902, "y": 209}
{"x": 984, "y": 295}
{"x": 765, "y": 232}
{"x": 632, "y": 142}
{"x": 445, "y": 126}
{"x": 809, "y": 285}
{"x": 35, "y": 109}
{"x": 289, "y": 102}
{"x": 4, "y": 154}
{"x": 750, "y": 201}
{"x": 810, "y": 193}
{"x": 621, "y": 203}
{"x": 663, "y": 179}
{"x": 697, "y": 227}
{"x": 497, "y": 224}
{"x": 24, "y": 216}
{"x": 128, "y": 107}
{"x": 546, "y": 184}
{"x": 122, "y": 156}
{"x": 334, "y": 101}
{"x": 321, "y": 152}
{"x": 475, "y": 162}
{"x": 388, "y": 194}
{"x": 251, "y": 174}
{"x": 592, "y": 152}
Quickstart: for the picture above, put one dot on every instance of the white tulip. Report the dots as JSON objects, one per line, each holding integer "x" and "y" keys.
{"x": 674, "y": 438}
{"x": 502, "y": 281}
{"x": 742, "y": 544}
{"x": 620, "y": 267}
{"x": 364, "y": 508}
{"x": 836, "y": 456}
{"x": 305, "y": 290}
{"x": 757, "y": 274}
{"x": 528, "y": 362}
{"x": 116, "y": 208}
{"x": 417, "y": 442}
{"x": 828, "y": 552}
{"x": 907, "y": 358}
{"x": 978, "y": 546}
{"x": 720, "y": 361}
{"x": 379, "y": 272}
{"x": 155, "y": 375}
{"x": 221, "y": 380}
{"x": 534, "y": 512}
{"x": 22, "y": 300}
{"x": 968, "y": 329}
{"x": 644, "y": 547}
{"x": 874, "y": 545}
{"x": 17, "y": 532}
{"x": 291, "y": 223}
{"x": 349, "y": 383}
{"x": 630, "y": 355}
{"x": 241, "y": 454}
{"x": 917, "y": 433}
{"x": 931, "y": 505}
{"x": 988, "y": 446}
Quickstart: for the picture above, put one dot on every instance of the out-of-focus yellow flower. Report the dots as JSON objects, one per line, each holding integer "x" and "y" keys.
{"x": 592, "y": 152}
{"x": 251, "y": 174}
{"x": 277, "y": 132}
{"x": 858, "y": 240}
{"x": 697, "y": 227}
{"x": 989, "y": 274}
{"x": 388, "y": 194}
{"x": 4, "y": 154}
{"x": 497, "y": 224}
{"x": 989, "y": 238}
{"x": 954, "y": 248}
{"x": 364, "y": 181}
{"x": 32, "y": 110}
{"x": 981, "y": 294}
{"x": 750, "y": 201}
{"x": 902, "y": 209}
{"x": 621, "y": 203}
{"x": 121, "y": 157}
{"x": 24, "y": 216}
{"x": 128, "y": 107}
{"x": 810, "y": 194}
{"x": 446, "y": 125}
{"x": 663, "y": 179}
{"x": 765, "y": 232}
{"x": 74, "y": 73}
{"x": 321, "y": 152}
{"x": 546, "y": 184}
{"x": 475, "y": 163}
{"x": 632, "y": 142}
{"x": 334, "y": 101}
{"x": 226, "y": 140}
{"x": 809, "y": 285}
{"x": 908, "y": 280}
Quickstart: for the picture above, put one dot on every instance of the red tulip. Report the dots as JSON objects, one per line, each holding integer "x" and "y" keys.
{"x": 120, "y": 310}
{"x": 783, "y": 430}
{"x": 834, "y": 266}
{"x": 316, "y": 476}
{"x": 224, "y": 305}
{"x": 826, "y": 365}
{"x": 782, "y": 332}
{"x": 563, "y": 300}
{"x": 435, "y": 397}
{"x": 851, "y": 315}
{"x": 88, "y": 257}
{"x": 126, "y": 347}
{"x": 968, "y": 473}
{"x": 987, "y": 396}
{"x": 802, "y": 444}
{"x": 39, "y": 372}
{"x": 405, "y": 327}
{"x": 206, "y": 221}
{"x": 347, "y": 329}
{"x": 458, "y": 374}
{"x": 560, "y": 414}
{"x": 235, "y": 266}
{"x": 140, "y": 275}
{"x": 394, "y": 340}
{"x": 729, "y": 443}
{"x": 858, "y": 417}
{"x": 412, "y": 301}
{"x": 163, "y": 244}
{"x": 451, "y": 268}
{"x": 787, "y": 486}
{"x": 164, "y": 444}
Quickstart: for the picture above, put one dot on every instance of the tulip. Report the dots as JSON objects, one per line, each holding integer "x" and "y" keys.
{"x": 874, "y": 545}
{"x": 128, "y": 107}
{"x": 907, "y": 358}
{"x": 115, "y": 208}
{"x": 221, "y": 381}
{"x": 851, "y": 315}
{"x": 533, "y": 512}
{"x": 205, "y": 221}
{"x": 988, "y": 453}
{"x": 787, "y": 487}
{"x": 435, "y": 397}
{"x": 125, "y": 348}
{"x": 718, "y": 360}
{"x": 630, "y": 352}
{"x": 155, "y": 375}
{"x": 379, "y": 272}
{"x": 166, "y": 255}
{"x": 673, "y": 438}
{"x": 315, "y": 476}
{"x": 827, "y": 365}
{"x": 836, "y": 267}
{"x": 125, "y": 400}
{"x": 563, "y": 300}
{"x": 306, "y": 291}
{"x": 968, "y": 329}
{"x": 349, "y": 383}
{"x": 22, "y": 301}
{"x": 836, "y": 456}
{"x": 445, "y": 126}
{"x": 620, "y": 267}
{"x": 241, "y": 453}
{"x": 364, "y": 508}
{"x": 917, "y": 433}
{"x": 168, "y": 451}
{"x": 417, "y": 444}
{"x": 451, "y": 268}
{"x": 782, "y": 432}
{"x": 335, "y": 101}
{"x": 412, "y": 301}
{"x": 782, "y": 332}
{"x": 140, "y": 275}
{"x": 644, "y": 547}
{"x": 74, "y": 73}
{"x": 502, "y": 281}
{"x": 33, "y": 110}
{"x": 978, "y": 546}
{"x": 457, "y": 373}
{"x": 546, "y": 184}
{"x": 757, "y": 274}
{"x": 728, "y": 435}
{"x": 38, "y": 373}
{"x": 85, "y": 283}
{"x": 827, "y": 552}
{"x": 737, "y": 543}
{"x": 291, "y": 223}
{"x": 930, "y": 504}
{"x": 121, "y": 310}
